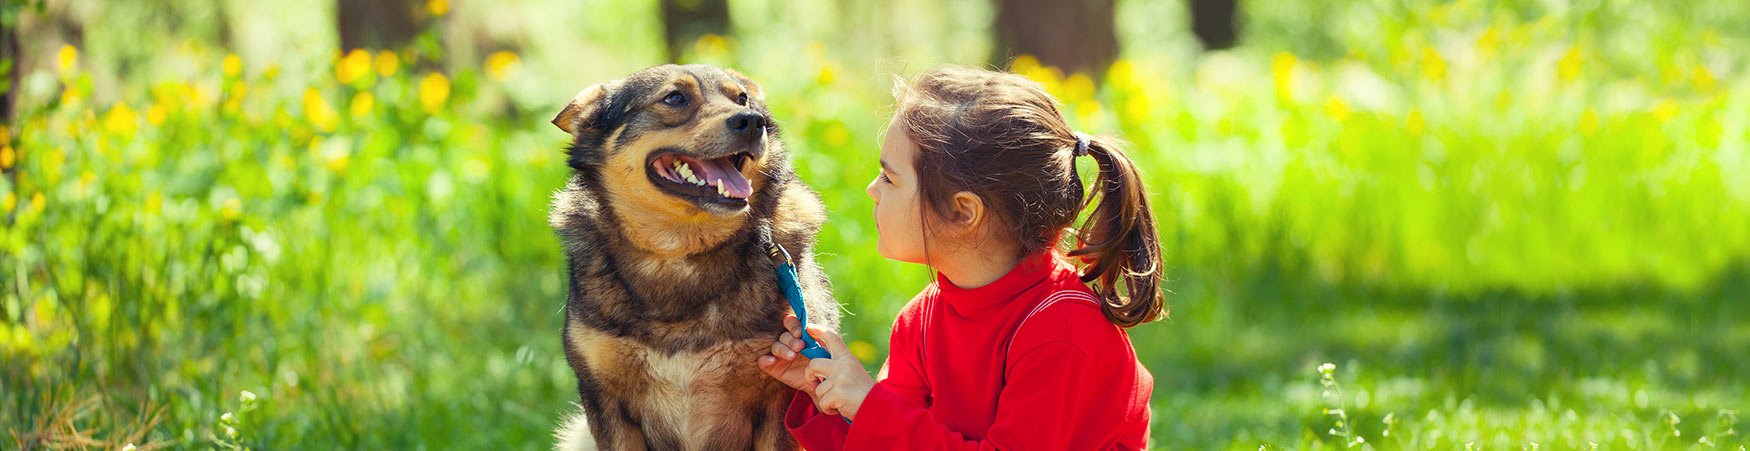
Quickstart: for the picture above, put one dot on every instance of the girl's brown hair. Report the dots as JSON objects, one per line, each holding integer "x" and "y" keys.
{"x": 1000, "y": 136}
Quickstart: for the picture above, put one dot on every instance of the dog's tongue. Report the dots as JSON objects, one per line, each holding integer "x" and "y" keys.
{"x": 720, "y": 170}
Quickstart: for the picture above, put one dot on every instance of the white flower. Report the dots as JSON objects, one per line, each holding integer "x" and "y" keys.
{"x": 247, "y": 396}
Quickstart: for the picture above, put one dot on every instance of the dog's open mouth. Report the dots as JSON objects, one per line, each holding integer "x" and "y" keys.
{"x": 708, "y": 181}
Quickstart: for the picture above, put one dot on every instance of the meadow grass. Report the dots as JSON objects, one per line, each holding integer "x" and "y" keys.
{"x": 1501, "y": 227}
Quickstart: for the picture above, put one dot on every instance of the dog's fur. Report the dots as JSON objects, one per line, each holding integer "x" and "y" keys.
{"x": 672, "y": 298}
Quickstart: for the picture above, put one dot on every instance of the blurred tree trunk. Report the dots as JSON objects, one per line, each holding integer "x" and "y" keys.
{"x": 376, "y": 24}
{"x": 11, "y": 64}
{"x": 1076, "y": 36}
{"x": 684, "y": 21}
{"x": 1213, "y": 23}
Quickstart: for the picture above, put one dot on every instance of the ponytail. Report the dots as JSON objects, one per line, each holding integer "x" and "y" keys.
{"x": 1120, "y": 242}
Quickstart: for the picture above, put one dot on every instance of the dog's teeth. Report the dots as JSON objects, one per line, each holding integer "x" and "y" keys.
{"x": 686, "y": 171}
{"x": 720, "y": 190}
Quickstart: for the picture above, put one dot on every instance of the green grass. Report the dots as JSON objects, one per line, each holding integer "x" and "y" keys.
{"x": 1506, "y": 225}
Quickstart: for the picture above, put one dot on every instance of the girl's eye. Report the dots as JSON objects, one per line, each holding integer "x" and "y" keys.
{"x": 675, "y": 98}
{"x": 883, "y": 177}
{"x": 742, "y": 100}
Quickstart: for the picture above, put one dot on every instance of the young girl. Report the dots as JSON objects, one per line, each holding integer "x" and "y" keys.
{"x": 1010, "y": 348}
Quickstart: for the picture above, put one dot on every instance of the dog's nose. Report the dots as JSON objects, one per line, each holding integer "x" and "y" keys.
{"x": 747, "y": 123}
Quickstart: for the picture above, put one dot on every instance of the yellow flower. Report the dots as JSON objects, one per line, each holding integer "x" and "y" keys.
{"x": 38, "y": 203}
{"x": 1489, "y": 41}
{"x": 1282, "y": 69}
{"x": 318, "y": 112}
{"x": 154, "y": 203}
{"x": 438, "y": 7}
{"x": 1136, "y": 107}
{"x": 387, "y": 63}
{"x": 7, "y": 156}
{"x": 1400, "y": 55}
{"x": 155, "y": 115}
{"x": 862, "y": 350}
{"x": 1704, "y": 80}
{"x": 502, "y": 64}
{"x": 1078, "y": 88}
{"x": 1414, "y": 122}
{"x": 837, "y": 135}
{"x": 69, "y": 96}
{"x": 1433, "y": 66}
{"x": 1121, "y": 73}
{"x": 232, "y": 209}
{"x": 1337, "y": 109}
{"x": 338, "y": 163}
{"x": 9, "y": 203}
{"x": 1029, "y": 67}
{"x": 710, "y": 46}
{"x": 1024, "y": 63}
{"x": 233, "y": 65}
{"x": 434, "y": 90}
{"x": 355, "y": 64}
{"x": 121, "y": 120}
{"x": 1665, "y": 111}
{"x": 67, "y": 57}
{"x": 826, "y": 75}
{"x": 361, "y": 104}
{"x": 1568, "y": 68}
{"x": 191, "y": 95}
{"x": 1588, "y": 123}
{"x": 234, "y": 99}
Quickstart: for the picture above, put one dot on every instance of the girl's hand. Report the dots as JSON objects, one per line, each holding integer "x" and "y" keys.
{"x": 783, "y": 363}
{"x": 840, "y": 383}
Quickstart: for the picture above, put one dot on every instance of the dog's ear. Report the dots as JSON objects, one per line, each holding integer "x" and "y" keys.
{"x": 576, "y": 115}
{"x": 753, "y": 88}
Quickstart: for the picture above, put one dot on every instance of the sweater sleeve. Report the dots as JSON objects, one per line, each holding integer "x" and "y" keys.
{"x": 814, "y": 430}
{"x": 901, "y": 373}
{"x": 1037, "y": 409}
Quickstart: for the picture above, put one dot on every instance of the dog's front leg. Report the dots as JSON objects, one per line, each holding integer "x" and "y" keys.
{"x": 614, "y": 428}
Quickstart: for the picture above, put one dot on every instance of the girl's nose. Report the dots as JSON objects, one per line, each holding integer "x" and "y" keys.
{"x": 870, "y": 190}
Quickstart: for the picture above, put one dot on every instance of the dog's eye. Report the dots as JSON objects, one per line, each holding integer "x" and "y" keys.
{"x": 742, "y": 100}
{"x": 675, "y": 98}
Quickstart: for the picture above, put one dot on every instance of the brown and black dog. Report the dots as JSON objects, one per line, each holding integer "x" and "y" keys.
{"x": 678, "y": 181}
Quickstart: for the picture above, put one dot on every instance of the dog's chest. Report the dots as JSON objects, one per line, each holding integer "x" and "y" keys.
{"x": 693, "y": 395}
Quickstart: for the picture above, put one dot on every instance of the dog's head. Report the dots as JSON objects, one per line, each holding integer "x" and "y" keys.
{"x": 679, "y": 150}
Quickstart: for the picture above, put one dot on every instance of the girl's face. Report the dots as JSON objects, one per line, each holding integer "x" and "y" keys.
{"x": 898, "y": 225}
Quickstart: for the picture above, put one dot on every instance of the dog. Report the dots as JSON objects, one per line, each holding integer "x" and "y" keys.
{"x": 678, "y": 186}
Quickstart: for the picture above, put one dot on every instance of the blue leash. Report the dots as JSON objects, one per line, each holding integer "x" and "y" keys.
{"x": 793, "y": 292}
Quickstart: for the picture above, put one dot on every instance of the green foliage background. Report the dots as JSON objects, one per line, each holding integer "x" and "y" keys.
{"x": 1508, "y": 224}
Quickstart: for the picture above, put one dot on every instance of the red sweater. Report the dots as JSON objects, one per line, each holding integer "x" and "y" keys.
{"x": 963, "y": 374}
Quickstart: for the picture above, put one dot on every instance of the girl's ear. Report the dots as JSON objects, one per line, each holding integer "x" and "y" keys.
{"x": 967, "y": 216}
